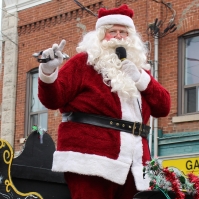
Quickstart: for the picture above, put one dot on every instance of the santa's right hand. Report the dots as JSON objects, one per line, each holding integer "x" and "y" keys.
{"x": 56, "y": 58}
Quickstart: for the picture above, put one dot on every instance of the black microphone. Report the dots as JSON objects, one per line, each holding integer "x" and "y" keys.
{"x": 121, "y": 53}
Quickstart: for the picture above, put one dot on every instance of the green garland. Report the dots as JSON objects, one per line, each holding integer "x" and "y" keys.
{"x": 170, "y": 179}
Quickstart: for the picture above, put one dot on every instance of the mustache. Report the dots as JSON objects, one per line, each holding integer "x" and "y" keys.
{"x": 113, "y": 43}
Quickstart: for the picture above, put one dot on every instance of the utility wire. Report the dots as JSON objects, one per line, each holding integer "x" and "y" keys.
{"x": 192, "y": 59}
{"x": 85, "y": 8}
{"x": 193, "y": 74}
{"x": 9, "y": 39}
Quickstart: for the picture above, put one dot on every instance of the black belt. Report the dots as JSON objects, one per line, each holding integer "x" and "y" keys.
{"x": 135, "y": 128}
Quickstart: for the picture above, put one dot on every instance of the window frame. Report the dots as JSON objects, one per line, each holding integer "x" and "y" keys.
{"x": 182, "y": 104}
{"x": 28, "y": 113}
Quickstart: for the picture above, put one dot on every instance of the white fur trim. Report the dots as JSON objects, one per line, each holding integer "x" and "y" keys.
{"x": 88, "y": 164}
{"x": 126, "y": 148}
{"x": 130, "y": 108}
{"x": 143, "y": 82}
{"x": 141, "y": 183}
{"x": 115, "y": 19}
{"x": 48, "y": 79}
{"x": 131, "y": 112}
{"x": 137, "y": 166}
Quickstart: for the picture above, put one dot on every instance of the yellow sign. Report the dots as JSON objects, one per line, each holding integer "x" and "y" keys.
{"x": 186, "y": 165}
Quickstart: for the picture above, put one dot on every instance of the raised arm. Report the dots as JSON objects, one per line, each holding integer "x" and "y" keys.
{"x": 63, "y": 85}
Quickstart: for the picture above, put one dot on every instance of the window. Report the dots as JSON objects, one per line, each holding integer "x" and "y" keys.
{"x": 36, "y": 112}
{"x": 188, "y": 74}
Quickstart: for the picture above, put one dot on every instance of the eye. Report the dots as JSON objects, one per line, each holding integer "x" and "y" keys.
{"x": 112, "y": 32}
{"x": 123, "y": 33}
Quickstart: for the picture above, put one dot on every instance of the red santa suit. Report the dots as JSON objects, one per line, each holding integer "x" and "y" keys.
{"x": 90, "y": 155}
{"x": 93, "y": 150}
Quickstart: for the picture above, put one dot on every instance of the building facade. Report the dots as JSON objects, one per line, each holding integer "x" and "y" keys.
{"x": 29, "y": 27}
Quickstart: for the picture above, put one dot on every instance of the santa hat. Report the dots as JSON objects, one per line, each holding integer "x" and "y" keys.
{"x": 122, "y": 16}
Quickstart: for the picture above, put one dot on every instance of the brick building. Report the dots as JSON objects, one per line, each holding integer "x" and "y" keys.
{"x": 29, "y": 27}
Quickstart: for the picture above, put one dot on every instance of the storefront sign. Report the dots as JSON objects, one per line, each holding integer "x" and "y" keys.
{"x": 186, "y": 165}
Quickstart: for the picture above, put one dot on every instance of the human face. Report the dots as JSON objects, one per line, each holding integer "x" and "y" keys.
{"x": 117, "y": 32}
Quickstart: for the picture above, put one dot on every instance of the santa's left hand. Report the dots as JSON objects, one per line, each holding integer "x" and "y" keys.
{"x": 131, "y": 69}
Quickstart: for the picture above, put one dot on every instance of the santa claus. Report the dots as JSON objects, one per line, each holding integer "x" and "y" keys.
{"x": 106, "y": 102}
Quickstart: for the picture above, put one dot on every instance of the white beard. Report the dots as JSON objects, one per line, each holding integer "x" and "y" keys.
{"x": 110, "y": 67}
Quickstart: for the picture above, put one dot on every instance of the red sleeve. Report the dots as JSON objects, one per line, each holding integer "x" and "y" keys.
{"x": 158, "y": 98}
{"x": 65, "y": 88}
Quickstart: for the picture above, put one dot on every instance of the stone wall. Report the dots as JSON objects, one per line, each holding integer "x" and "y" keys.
{"x": 10, "y": 38}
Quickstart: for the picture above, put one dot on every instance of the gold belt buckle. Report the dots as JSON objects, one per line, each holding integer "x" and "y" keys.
{"x": 134, "y": 127}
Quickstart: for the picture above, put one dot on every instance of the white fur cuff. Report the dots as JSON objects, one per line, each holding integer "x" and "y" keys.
{"x": 48, "y": 79}
{"x": 143, "y": 82}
